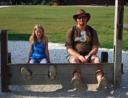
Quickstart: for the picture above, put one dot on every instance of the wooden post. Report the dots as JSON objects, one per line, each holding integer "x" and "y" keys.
{"x": 119, "y": 9}
{"x": 4, "y": 60}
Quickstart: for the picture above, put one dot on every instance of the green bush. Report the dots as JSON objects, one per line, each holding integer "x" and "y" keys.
{"x": 54, "y": 0}
{"x": 46, "y": 2}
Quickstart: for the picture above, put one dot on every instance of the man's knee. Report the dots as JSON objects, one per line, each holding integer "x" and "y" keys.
{"x": 73, "y": 59}
{"x": 95, "y": 59}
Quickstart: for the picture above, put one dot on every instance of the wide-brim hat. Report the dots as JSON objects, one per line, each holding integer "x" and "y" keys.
{"x": 80, "y": 12}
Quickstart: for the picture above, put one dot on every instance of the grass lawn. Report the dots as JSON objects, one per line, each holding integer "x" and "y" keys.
{"x": 20, "y": 20}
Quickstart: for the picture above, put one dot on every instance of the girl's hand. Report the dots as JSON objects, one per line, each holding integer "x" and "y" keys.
{"x": 27, "y": 62}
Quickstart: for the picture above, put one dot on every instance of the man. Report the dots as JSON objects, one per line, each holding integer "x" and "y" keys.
{"x": 82, "y": 45}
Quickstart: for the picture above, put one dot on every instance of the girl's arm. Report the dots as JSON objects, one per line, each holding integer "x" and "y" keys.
{"x": 29, "y": 53}
{"x": 46, "y": 50}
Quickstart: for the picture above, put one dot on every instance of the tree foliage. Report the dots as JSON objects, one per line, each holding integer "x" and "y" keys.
{"x": 34, "y": 2}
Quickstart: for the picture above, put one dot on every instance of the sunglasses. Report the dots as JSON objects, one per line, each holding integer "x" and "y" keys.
{"x": 81, "y": 17}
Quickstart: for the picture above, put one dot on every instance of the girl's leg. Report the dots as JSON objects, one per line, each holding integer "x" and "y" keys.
{"x": 33, "y": 61}
{"x": 43, "y": 61}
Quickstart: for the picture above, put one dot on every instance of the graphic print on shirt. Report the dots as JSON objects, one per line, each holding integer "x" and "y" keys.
{"x": 83, "y": 37}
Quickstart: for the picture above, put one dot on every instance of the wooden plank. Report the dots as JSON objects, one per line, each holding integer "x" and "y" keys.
{"x": 4, "y": 55}
{"x": 60, "y": 79}
{"x": 64, "y": 73}
{"x": 61, "y": 68}
{"x": 119, "y": 10}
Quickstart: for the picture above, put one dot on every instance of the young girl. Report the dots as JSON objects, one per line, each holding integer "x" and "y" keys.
{"x": 38, "y": 52}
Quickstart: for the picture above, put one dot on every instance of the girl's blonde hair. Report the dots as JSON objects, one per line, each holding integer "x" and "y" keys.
{"x": 33, "y": 37}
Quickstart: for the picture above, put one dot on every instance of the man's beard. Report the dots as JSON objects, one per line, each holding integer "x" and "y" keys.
{"x": 82, "y": 23}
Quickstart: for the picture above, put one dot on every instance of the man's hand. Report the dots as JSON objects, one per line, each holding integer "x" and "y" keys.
{"x": 82, "y": 59}
{"x": 87, "y": 57}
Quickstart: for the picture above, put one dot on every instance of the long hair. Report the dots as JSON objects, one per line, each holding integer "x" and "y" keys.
{"x": 33, "y": 37}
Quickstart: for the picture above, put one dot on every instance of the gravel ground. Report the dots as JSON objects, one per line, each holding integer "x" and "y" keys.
{"x": 19, "y": 51}
{"x": 57, "y": 52}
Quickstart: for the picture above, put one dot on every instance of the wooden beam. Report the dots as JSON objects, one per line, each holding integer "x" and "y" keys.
{"x": 119, "y": 10}
{"x": 4, "y": 60}
{"x": 64, "y": 73}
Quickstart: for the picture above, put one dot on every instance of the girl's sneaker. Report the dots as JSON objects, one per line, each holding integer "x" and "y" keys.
{"x": 27, "y": 74}
{"x": 52, "y": 72}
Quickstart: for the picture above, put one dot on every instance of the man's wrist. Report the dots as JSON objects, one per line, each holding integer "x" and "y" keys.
{"x": 86, "y": 57}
